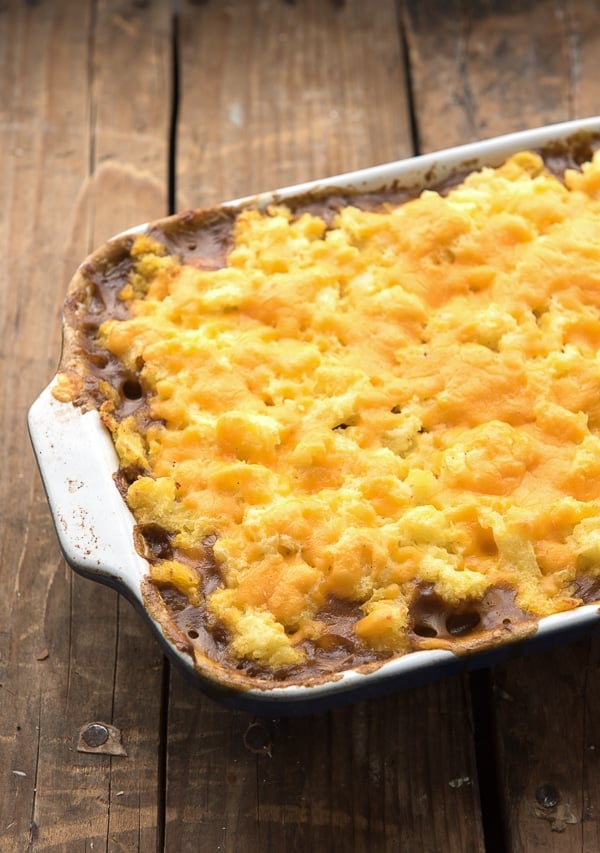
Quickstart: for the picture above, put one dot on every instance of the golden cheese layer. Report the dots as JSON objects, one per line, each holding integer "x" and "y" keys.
{"x": 408, "y": 396}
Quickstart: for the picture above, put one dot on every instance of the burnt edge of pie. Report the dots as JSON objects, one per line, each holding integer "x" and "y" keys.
{"x": 203, "y": 238}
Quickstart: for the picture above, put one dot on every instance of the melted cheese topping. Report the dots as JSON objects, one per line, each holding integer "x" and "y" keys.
{"x": 406, "y": 397}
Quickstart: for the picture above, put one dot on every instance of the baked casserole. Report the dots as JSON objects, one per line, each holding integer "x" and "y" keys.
{"x": 353, "y": 426}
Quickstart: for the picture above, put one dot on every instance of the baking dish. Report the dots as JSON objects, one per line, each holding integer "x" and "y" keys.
{"x": 96, "y": 531}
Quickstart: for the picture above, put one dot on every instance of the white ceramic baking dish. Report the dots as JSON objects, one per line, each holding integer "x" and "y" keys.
{"x": 77, "y": 461}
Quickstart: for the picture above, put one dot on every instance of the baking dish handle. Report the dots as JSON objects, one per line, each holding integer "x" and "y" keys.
{"x": 77, "y": 461}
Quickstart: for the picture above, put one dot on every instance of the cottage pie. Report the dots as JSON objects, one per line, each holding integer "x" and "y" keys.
{"x": 351, "y": 427}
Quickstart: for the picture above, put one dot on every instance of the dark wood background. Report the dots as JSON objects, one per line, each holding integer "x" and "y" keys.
{"x": 113, "y": 112}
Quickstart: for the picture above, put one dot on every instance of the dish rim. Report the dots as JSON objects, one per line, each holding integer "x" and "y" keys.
{"x": 95, "y": 527}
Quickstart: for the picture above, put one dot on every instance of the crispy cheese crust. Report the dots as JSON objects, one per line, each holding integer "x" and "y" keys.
{"x": 404, "y": 398}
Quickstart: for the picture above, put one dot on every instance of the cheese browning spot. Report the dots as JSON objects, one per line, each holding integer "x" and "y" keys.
{"x": 385, "y": 422}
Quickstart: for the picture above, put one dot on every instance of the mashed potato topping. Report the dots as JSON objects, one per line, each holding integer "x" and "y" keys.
{"x": 406, "y": 397}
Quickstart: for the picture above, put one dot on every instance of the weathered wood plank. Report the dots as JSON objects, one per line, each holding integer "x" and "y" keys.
{"x": 391, "y": 774}
{"x": 78, "y": 162}
{"x": 273, "y": 93}
{"x": 484, "y": 68}
{"x": 510, "y": 66}
{"x": 31, "y": 568}
{"x": 581, "y": 17}
{"x": 548, "y": 735}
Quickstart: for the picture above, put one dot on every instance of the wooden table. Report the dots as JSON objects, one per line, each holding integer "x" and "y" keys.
{"x": 113, "y": 112}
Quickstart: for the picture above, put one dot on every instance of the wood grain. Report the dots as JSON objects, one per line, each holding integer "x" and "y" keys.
{"x": 78, "y": 162}
{"x": 548, "y": 735}
{"x": 584, "y": 55}
{"x": 273, "y": 93}
{"x": 484, "y": 68}
{"x": 270, "y": 94}
{"x": 33, "y": 135}
{"x": 392, "y": 774}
